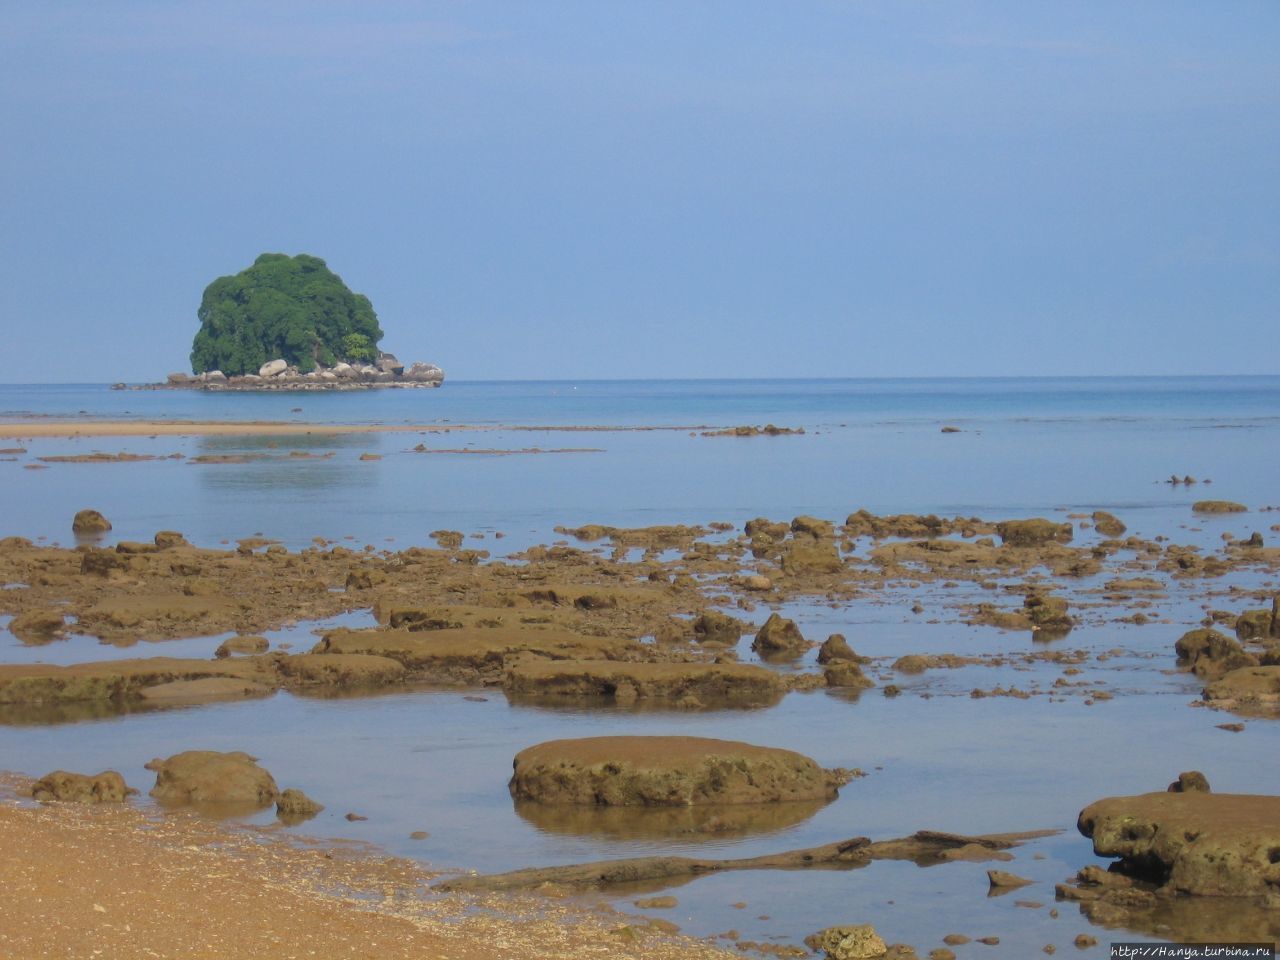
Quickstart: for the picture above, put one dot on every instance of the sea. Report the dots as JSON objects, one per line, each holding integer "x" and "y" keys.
{"x": 522, "y": 458}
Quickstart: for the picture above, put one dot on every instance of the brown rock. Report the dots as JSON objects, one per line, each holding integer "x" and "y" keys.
{"x": 717, "y": 627}
{"x": 38, "y": 626}
{"x": 860, "y": 942}
{"x": 836, "y": 647}
{"x": 209, "y": 777}
{"x": 88, "y": 522}
{"x": 1002, "y": 880}
{"x": 1248, "y": 689}
{"x": 779, "y": 637}
{"x": 806, "y": 557}
{"x": 105, "y": 787}
{"x": 666, "y": 771}
{"x": 1033, "y": 533}
{"x": 1218, "y": 506}
{"x": 1201, "y": 844}
{"x": 165, "y": 539}
{"x": 1253, "y": 625}
{"x": 736, "y": 683}
{"x": 1190, "y": 781}
{"x": 294, "y": 806}
{"x": 1210, "y": 654}
{"x": 846, "y": 673}
{"x": 1108, "y": 524}
{"x": 657, "y": 903}
{"x": 241, "y": 645}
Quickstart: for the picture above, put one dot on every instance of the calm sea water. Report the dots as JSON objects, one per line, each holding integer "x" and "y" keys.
{"x": 431, "y": 760}
{"x": 1027, "y": 446}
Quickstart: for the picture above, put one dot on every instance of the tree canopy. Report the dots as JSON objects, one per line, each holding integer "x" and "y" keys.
{"x": 291, "y": 308}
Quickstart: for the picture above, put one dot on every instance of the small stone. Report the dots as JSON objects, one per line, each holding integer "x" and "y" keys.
{"x": 989, "y": 941}
{"x": 1083, "y": 941}
{"x": 955, "y": 939}
{"x": 860, "y": 942}
{"x": 353, "y": 817}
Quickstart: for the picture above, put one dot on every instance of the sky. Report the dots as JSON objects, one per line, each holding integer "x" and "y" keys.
{"x": 643, "y": 188}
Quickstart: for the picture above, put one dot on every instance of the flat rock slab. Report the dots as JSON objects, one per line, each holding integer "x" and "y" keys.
{"x": 667, "y": 771}
{"x": 1203, "y": 844}
{"x": 1248, "y": 690}
{"x": 467, "y": 654}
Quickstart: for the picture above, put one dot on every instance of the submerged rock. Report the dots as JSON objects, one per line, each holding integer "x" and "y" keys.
{"x": 1201, "y": 844}
{"x": 105, "y": 787}
{"x": 207, "y": 776}
{"x": 667, "y": 771}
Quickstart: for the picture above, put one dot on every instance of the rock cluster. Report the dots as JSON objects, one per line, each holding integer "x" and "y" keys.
{"x": 387, "y": 371}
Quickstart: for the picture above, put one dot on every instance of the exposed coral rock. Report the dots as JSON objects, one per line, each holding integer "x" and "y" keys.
{"x": 859, "y": 942}
{"x": 1218, "y": 506}
{"x": 206, "y": 776}
{"x": 1034, "y": 532}
{"x": 1210, "y": 654}
{"x": 1190, "y": 781}
{"x": 105, "y": 787}
{"x": 1108, "y": 524}
{"x": 667, "y": 771}
{"x": 90, "y": 522}
{"x": 779, "y": 637}
{"x": 1203, "y": 844}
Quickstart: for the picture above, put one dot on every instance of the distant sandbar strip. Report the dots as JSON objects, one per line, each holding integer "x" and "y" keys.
{"x": 258, "y": 428}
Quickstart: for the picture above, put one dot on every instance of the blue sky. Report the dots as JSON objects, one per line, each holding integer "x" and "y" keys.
{"x": 633, "y": 189}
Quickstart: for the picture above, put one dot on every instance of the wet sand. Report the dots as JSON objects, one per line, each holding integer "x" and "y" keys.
{"x": 114, "y": 882}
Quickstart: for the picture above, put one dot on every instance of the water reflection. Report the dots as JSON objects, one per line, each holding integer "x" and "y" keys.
{"x": 695, "y": 822}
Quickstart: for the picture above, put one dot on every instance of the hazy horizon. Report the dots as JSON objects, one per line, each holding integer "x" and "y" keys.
{"x": 610, "y": 192}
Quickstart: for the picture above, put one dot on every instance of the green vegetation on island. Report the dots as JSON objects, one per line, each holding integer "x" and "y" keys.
{"x": 290, "y": 308}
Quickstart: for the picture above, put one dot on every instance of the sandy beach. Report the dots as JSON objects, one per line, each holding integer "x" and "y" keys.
{"x": 110, "y": 881}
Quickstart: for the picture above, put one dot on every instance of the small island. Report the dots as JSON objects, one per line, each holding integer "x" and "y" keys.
{"x": 290, "y": 323}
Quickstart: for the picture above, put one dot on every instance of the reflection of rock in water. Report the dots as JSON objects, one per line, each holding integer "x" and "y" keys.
{"x": 49, "y": 714}
{"x": 685, "y": 822}
{"x": 1195, "y": 920}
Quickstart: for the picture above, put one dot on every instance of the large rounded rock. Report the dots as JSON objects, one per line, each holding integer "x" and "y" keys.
{"x": 209, "y": 777}
{"x": 667, "y": 771}
{"x": 272, "y": 368}
{"x": 88, "y": 522}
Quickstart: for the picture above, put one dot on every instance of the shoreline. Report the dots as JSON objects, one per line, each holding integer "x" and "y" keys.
{"x": 196, "y": 887}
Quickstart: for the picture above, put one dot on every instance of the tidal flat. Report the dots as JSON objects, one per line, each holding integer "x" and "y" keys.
{"x": 427, "y": 619}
